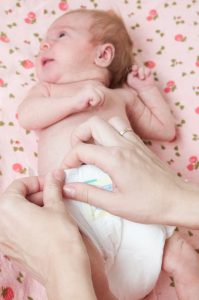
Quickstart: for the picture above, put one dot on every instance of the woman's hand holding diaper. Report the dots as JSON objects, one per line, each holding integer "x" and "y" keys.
{"x": 144, "y": 188}
{"x": 45, "y": 240}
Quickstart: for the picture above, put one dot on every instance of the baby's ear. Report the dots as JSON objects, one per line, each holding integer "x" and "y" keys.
{"x": 104, "y": 55}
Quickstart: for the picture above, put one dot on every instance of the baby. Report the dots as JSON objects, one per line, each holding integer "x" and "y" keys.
{"x": 85, "y": 54}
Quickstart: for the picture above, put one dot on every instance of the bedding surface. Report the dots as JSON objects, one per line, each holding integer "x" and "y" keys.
{"x": 165, "y": 37}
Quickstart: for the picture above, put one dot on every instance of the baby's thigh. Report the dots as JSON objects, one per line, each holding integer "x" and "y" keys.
{"x": 138, "y": 261}
{"x": 99, "y": 278}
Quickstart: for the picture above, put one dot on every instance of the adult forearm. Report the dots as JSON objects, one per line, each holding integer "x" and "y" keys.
{"x": 76, "y": 284}
{"x": 184, "y": 206}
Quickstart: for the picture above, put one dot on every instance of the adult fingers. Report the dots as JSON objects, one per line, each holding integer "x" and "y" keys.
{"x": 52, "y": 193}
{"x": 25, "y": 186}
{"x": 91, "y": 195}
{"x": 120, "y": 125}
{"x": 96, "y": 129}
{"x": 107, "y": 159}
{"x": 36, "y": 198}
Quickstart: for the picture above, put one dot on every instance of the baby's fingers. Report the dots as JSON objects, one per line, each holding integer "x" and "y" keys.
{"x": 141, "y": 73}
{"x": 147, "y": 72}
{"x": 134, "y": 70}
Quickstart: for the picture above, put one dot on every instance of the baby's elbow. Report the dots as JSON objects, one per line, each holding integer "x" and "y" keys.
{"x": 171, "y": 137}
{"x": 169, "y": 134}
{"x": 23, "y": 120}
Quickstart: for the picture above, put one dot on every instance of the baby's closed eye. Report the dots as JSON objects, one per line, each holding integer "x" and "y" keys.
{"x": 62, "y": 34}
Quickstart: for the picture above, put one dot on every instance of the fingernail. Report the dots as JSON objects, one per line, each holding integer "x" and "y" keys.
{"x": 69, "y": 191}
{"x": 59, "y": 175}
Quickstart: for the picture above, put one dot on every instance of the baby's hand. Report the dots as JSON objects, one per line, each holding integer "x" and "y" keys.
{"x": 92, "y": 96}
{"x": 140, "y": 78}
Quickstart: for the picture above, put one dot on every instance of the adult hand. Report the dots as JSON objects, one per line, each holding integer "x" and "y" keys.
{"x": 145, "y": 189}
{"x": 32, "y": 235}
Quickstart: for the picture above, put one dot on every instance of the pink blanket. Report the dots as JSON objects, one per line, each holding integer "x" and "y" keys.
{"x": 165, "y": 35}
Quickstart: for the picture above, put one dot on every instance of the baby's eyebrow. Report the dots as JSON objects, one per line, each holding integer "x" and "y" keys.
{"x": 57, "y": 29}
{"x": 60, "y": 28}
{"x": 66, "y": 27}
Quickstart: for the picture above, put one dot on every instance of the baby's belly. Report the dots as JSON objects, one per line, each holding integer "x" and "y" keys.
{"x": 54, "y": 144}
{"x": 55, "y": 141}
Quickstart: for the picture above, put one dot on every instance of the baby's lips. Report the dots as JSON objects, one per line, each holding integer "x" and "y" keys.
{"x": 45, "y": 60}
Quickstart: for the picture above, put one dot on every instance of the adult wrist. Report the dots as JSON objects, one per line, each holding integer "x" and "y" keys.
{"x": 184, "y": 206}
{"x": 70, "y": 267}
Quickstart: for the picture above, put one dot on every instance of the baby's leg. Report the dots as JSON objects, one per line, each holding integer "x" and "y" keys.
{"x": 99, "y": 278}
{"x": 182, "y": 262}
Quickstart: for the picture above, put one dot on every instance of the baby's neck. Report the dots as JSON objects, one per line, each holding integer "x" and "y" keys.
{"x": 100, "y": 76}
{"x": 77, "y": 84}
{"x": 92, "y": 80}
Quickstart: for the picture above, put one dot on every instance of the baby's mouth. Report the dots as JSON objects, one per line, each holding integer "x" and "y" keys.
{"x": 45, "y": 61}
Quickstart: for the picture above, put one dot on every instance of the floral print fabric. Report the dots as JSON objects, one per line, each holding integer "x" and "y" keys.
{"x": 165, "y": 37}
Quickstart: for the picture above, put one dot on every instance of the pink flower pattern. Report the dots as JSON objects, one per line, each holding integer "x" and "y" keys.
{"x": 150, "y": 64}
{"x": 27, "y": 64}
{"x": 193, "y": 163}
{"x": 30, "y": 18}
{"x": 63, "y": 5}
{"x": 152, "y": 15}
{"x": 180, "y": 38}
{"x": 170, "y": 87}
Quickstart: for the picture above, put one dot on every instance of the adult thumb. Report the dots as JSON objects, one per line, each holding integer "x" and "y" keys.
{"x": 53, "y": 185}
{"x": 90, "y": 194}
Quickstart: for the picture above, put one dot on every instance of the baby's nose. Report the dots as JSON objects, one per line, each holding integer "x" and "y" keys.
{"x": 44, "y": 46}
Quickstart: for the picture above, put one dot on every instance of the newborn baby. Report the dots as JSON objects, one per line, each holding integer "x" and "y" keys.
{"x": 84, "y": 69}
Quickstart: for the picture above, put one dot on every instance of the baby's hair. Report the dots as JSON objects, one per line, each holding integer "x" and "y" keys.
{"x": 107, "y": 27}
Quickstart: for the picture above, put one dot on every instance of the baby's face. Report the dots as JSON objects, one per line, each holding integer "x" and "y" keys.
{"x": 66, "y": 49}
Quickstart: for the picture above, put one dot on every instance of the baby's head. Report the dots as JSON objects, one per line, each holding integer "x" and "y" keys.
{"x": 85, "y": 44}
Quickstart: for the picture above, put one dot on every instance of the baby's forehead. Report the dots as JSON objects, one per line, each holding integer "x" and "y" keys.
{"x": 75, "y": 20}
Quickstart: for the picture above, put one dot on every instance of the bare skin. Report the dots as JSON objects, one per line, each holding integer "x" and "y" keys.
{"x": 100, "y": 283}
{"x": 182, "y": 262}
{"x": 178, "y": 204}
{"x": 73, "y": 87}
{"x": 61, "y": 269}
{"x": 60, "y": 252}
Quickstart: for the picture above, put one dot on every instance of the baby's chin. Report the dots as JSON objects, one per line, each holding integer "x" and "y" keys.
{"x": 54, "y": 77}
{"x": 48, "y": 78}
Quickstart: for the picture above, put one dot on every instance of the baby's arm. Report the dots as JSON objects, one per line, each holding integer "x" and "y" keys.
{"x": 39, "y": 110}
{"x": 149, "y": 115}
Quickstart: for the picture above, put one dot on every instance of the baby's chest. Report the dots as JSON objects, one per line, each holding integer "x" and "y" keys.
{"x": 116, "y": 103}
{"x": 61, "y": 90}
{"x": 111, "y": 109}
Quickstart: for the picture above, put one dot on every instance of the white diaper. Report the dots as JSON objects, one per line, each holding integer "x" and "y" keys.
{"x": 132, "y": 251}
